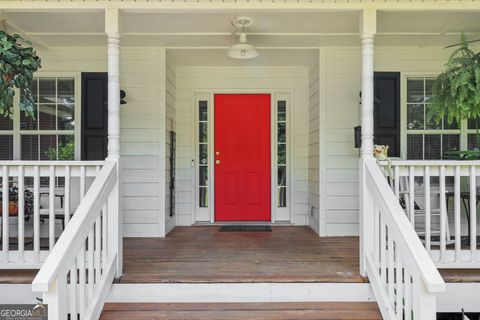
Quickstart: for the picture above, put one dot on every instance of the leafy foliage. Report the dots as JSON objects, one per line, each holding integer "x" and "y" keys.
{"x": 66, "y": 151}
{"x": 456, "y": 92}
{"x": 17, "y": 65}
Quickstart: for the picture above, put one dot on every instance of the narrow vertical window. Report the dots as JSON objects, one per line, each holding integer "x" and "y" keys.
{"x": 282, "y": 154}
{"x": 203, "y": 154}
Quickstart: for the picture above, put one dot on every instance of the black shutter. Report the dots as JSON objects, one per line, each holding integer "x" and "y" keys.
{"x": 387, "y": 111}
{"x": 94, "y": 115}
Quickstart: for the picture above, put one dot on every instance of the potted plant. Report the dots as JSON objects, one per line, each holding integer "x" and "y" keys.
{"x": 18, "y": 62}
{"x": 13, "y": 201}
{"x": 456, "y": 93}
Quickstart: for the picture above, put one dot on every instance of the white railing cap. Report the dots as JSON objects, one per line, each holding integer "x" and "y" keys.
{"x": 418, "y": 255}
{"x": 64, "y": 252}
{"x": 51, "y": 163}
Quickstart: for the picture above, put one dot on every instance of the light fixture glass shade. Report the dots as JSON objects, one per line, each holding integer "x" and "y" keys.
{"x": 242, "y": 51}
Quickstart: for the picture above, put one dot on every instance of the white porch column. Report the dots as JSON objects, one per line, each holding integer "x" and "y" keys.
{"x": 115, "y": 221}
{"x": 113, "y": 38}
{"x": 368, "y": 28}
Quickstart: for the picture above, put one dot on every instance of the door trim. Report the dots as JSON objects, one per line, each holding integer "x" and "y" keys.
{"x": 208, "y": 214}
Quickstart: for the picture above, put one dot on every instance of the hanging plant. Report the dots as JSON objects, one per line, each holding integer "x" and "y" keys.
{"x": 456, "y": 93}
{"x": 18, "y": 62}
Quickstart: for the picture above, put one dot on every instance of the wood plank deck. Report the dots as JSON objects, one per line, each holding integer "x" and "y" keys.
{"x": 241, "y": 311}
{"x": 203, "y": 254}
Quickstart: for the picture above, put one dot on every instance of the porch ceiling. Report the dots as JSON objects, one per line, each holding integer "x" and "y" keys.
{"x": 207, "y": 30}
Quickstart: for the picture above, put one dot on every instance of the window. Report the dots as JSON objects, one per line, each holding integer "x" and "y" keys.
{"x": 281, "y": 153}
{"x": 427, "y": 139}
{"x": 203, "y": 154}
{"x": 51, "y": 134}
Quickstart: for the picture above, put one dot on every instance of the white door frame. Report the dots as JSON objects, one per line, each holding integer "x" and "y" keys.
{"x": 208, "y": 214}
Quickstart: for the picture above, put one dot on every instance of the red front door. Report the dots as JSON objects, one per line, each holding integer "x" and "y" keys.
{"x": 242, "y": 157}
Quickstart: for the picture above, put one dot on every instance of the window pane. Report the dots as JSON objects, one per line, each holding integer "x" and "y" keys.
{"x": 29, "y": 147}
{"x": 415, "y": 117}
{"x": 47, "y": 117}
{"x": 282, "y": 111}
{"x": 203, "y": 176}
{"x": 473, "y": 124}
{"x": 472, "y": 141}
{"x": 6, "y": 147}
{"x": 282, "y": 176}
{"x": 282, "y": 154}
{"x": 203, "y": 197}
{"x": 47, "y": 90}
{"x": 429, "y": 89}
{"x": 6, "y": 123}
{"x": 203, "y": 153}
{"x": 66, "y": 147}
{"x": 415, "y": 146}
{"x": 202, "y": 111}
{"x": 48, "y": 147}
{"x": 432, "y": 147}
{"x": 66, "y": 90}
{"x": 27, "y": 122}
{"x": 446, "y": 125}
{"x": 282, "y": 197}
{"x": 282, "y": 132}
{"x": 415, "y": 91}
{"x": 450, "y": 142}
{"x": 34, "y": 88}
{"x": 431, "y": 123}
{"x": 203, "y": 135}
{"x": 66, "y": 116}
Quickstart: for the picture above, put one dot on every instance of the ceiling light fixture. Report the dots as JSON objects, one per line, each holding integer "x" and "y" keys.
{"x": 242, "y": 50}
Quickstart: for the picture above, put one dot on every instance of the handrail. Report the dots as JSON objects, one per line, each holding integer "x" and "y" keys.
{"x": 418, "y": 256}
{"x": 404, "y": 279}
{"x": 56, "y": 163}
{"x": 78, "y": 228}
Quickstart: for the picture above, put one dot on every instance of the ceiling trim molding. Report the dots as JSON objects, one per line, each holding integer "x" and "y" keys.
{"x": 244, "y": 5}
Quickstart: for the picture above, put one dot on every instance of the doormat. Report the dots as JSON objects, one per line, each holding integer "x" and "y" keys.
{"x": 239, "y": 228}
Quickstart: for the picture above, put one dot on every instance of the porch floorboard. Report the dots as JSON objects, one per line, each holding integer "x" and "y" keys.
{"x": 203, "y": 254}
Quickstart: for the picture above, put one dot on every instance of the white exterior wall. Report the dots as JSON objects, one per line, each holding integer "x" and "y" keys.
{"x": 141, "y": 147}
{"x": 313, "y": 147}
{"x": 292, "y": 80}
{"x": 343, "y": 84}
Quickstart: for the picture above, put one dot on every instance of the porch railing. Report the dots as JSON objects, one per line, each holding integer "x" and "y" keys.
{"x": 440, "y": 199}
{"x": 403, "y": 277}
{"x": 77, "y": 275}
{"x": 42, "y": 197}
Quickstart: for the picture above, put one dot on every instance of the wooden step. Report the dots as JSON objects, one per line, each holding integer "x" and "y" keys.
{"x": 255, "y": 311}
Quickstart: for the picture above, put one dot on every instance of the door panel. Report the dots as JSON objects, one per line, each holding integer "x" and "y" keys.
{"x": 242, "y": 157}
{"x": 94, "y": 115}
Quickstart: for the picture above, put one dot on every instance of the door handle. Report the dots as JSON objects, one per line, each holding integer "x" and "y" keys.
{"x": 217, "y": 161}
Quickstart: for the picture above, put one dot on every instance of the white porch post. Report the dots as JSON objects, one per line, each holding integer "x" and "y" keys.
{"x": 368, "y": 28}
{"x": 115, "y": 221}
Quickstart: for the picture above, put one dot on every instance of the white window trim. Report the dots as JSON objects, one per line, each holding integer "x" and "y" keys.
{"x": 462, "y": 131}
{"x": 285, "y": 214}
{"x": 17, "y": 133}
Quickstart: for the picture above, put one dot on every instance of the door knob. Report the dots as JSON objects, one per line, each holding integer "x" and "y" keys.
{"x": 217, "y": 161}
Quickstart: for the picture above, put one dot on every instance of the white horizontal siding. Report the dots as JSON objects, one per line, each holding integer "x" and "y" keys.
{"x": 235, "y": 79}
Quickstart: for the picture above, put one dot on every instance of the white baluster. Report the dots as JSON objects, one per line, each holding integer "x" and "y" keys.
{"x": 82, "y": 303}
{"x": 457, "y": 213}
{"x": 104, "y": 235}
{"x": 36, "y": 213}
{"x": 98, "y": 239}
{"x": 397, "y": 181}
{"x": 51, "y": 208}
{"x": 90, "y": 262}
{"x": 82, "y": 182}
{"x": 473, "y": 213}
{"x": 66, "y": 198}
{"x": 21, "y": 214}
{"x": 5, "y": 214}
{"x": 73, "y": 290}
{"x": 411, "y": 191}
{"x": 398, "y": 285}
{"x": 428, "y": 224}
{"x": 383, "y": 253}
{"x": 408, "y": 294}
{"x": 391, "y": 268}
{"x": 443, "y": 215}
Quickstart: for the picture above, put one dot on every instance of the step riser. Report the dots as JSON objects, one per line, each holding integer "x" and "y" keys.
{"x": 241, "y": 292}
